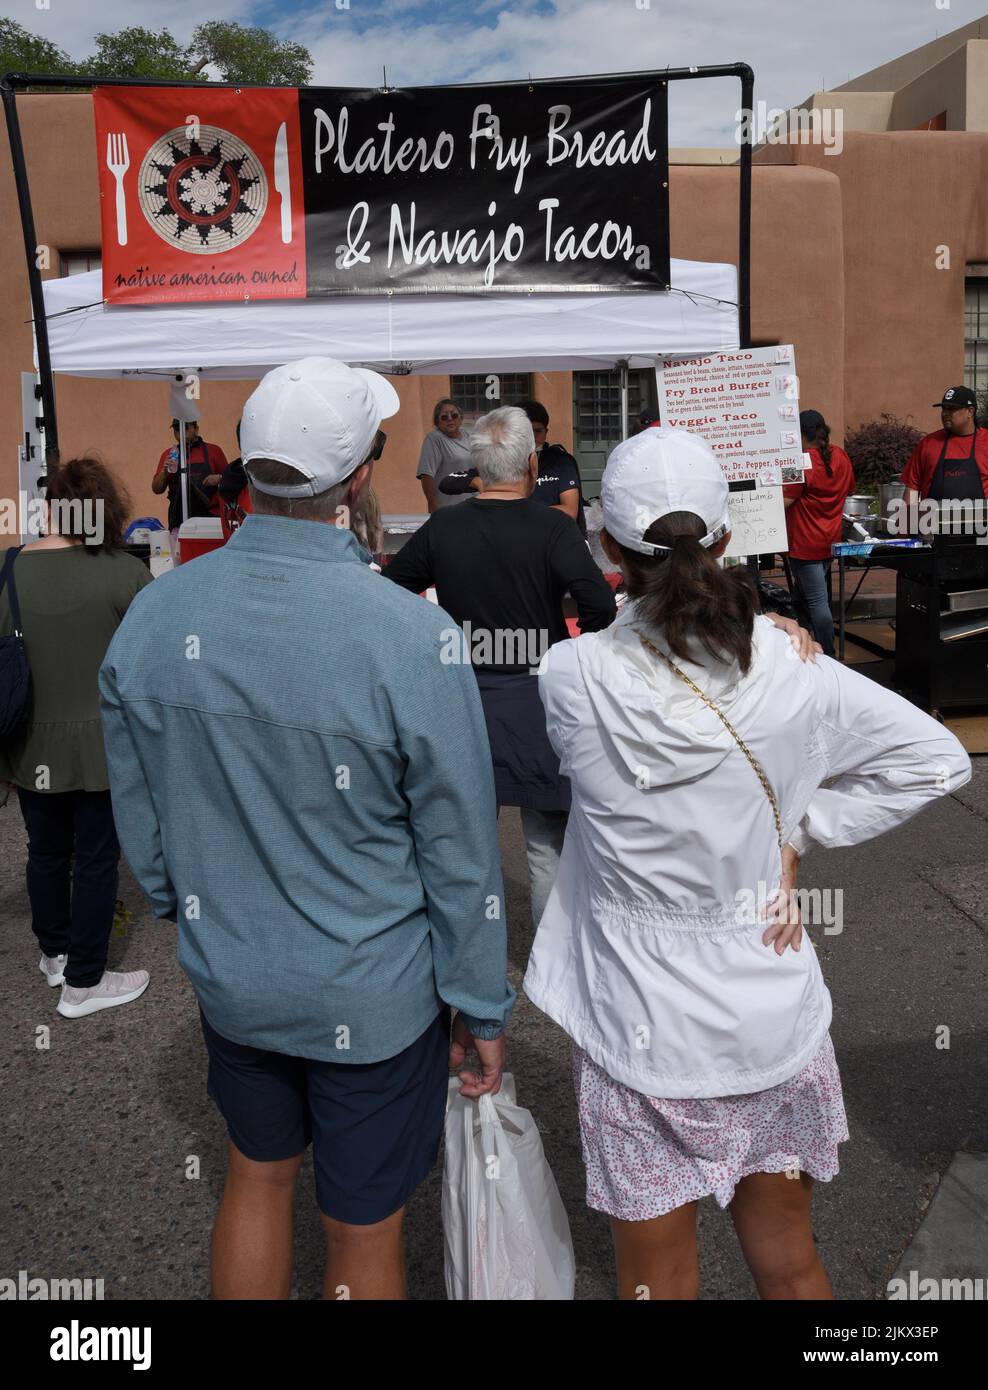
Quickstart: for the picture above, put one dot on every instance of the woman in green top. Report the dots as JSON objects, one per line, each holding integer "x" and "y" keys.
{"x": 74, "y": 586}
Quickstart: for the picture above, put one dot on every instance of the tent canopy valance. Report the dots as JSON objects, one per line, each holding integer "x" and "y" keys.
{"x": 397, "y": 334}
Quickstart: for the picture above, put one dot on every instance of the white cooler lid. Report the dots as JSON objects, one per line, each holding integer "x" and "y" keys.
{"x": 201, "y": 528}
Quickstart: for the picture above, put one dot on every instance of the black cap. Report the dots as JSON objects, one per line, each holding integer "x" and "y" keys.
{"x": 649, "y": 416}
{"x": 810, "y": 422}
{"x": 957, "y": 397}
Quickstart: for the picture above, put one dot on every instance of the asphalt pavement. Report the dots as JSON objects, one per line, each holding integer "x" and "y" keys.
{"x": 101, "y": 1127}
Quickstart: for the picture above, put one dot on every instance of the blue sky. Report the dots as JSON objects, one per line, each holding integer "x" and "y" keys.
{"x": 795, "y": 46}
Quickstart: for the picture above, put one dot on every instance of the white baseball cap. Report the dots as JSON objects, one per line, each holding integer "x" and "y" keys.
{"x": 317, "y": 415}
{"x": 657, "y": 472}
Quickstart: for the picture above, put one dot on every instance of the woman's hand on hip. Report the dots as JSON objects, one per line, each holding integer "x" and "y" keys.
{"x": 786, "y": 927}
{"x": 804, "y": 643}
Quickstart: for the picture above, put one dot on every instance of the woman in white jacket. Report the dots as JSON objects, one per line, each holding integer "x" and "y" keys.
{"x": 699, "y": 748}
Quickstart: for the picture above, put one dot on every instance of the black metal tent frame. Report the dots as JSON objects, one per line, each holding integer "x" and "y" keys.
{"x": 20, "y": 82}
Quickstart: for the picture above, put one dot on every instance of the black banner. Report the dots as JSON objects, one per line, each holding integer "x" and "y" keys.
{"x": 543, "y": 186}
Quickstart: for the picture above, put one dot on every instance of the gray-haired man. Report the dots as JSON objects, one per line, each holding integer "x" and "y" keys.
{"x": 501, "y": 564}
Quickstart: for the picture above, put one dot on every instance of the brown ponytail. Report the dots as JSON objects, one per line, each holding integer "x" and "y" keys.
{"x": 88, "y": 481}
{"x": 821, "y": 442}
{"x": 687, "y": 595}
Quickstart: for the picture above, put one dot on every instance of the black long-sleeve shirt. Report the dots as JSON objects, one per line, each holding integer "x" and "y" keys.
{"x": 503, "y": 567}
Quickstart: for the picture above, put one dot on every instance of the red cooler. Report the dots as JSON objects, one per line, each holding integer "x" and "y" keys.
{"x": 198, "y": 535}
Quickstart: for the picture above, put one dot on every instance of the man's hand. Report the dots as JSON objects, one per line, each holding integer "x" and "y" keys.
{"x": 803, "y": 642}
{"x": 783, "y": 913}
{"x": 211, "y": 479}
{"x": 491, "y": 1053}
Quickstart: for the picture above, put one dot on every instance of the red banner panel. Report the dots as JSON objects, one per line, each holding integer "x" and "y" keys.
{"x": 201, "y": 194}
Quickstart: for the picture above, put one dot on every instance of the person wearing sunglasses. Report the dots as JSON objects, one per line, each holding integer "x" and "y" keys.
{"x": 444, "y": 450}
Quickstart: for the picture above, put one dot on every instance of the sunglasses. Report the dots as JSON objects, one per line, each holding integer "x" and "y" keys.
{"x": 454, "y": 415}
{"x": 380, "y": 439}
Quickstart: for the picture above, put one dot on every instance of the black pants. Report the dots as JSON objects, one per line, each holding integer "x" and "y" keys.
{"x": 72, "y": 905}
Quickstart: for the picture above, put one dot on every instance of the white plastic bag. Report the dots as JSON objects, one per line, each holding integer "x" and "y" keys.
{"x": 504, "y": 1224}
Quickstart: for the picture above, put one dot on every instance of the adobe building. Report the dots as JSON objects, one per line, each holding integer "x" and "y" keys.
{"x": 873, "y": 261}
{"x": 941, "y": 86}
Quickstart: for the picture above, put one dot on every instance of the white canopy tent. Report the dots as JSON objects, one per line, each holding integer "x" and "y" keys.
{"x": 436, "y": 334}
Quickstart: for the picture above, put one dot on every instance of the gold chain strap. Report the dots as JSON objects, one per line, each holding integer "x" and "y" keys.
{"x": 728, "y": 726}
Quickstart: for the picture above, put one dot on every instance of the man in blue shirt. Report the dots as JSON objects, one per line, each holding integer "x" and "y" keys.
{"x": 302, "y": 780}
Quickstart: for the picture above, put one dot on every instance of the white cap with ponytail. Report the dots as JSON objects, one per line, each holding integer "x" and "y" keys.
{"x": 658, "y": 472}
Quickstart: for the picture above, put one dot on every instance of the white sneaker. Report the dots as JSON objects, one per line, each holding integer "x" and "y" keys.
{"x": 53, "y": 969}
{"x": 116, "y": 987}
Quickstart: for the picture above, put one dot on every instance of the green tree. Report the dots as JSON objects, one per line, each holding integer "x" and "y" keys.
{"x": 241, "y": 54}
{"x": 249, "y": 55}
{"x": 21, "y": 51}
{"x": 138, "y": 52}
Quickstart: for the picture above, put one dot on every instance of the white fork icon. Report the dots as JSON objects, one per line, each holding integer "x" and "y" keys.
{"x": 118, "y": 162}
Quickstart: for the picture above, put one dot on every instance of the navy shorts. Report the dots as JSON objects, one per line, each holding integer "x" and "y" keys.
{"x": 374, "y": 1127}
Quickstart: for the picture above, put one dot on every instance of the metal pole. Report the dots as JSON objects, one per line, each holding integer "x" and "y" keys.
{"x": 747, "y": 77}
{"x": 183, "y": 466}
{"x": 624, "y": 399}
{"x": 84, "y": 83}
{"x": 744, "y": 207}
{"x": 33, "y": 275}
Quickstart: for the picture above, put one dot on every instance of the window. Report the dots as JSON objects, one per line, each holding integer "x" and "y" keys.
{"x": 476, "y": 395}
{"x": 78, "y": 262}
{"x": 976, "y": 334}
{"x": 597, "y": 418}
{"x": 597, "y": 403}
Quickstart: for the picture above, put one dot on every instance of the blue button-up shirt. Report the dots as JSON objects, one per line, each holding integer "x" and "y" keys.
{"x": 305, "y": 783}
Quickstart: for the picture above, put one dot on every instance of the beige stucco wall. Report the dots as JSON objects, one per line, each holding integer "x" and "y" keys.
{"x": 904, "y": 317}
{"x": 949, "y": 75}
{"x": 977, "y": 85}
{"x": 797, "y": 261}
{"x": 861, "y": 110}
{"x": 942, "y": 87}
{"x": 907, "y": 67}
{"x": 720, "y": 154}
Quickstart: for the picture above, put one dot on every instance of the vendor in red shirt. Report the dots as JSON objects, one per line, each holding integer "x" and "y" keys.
{"x": 952, "y": 463}
{"x": 814, "y": 521}
{"x": 206, "y": 464}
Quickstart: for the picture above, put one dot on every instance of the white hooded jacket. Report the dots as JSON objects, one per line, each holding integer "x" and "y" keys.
{"x": 649, "y": 953}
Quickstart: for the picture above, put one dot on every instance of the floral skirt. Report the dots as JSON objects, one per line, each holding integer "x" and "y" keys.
{"x": 645, "y": 1156}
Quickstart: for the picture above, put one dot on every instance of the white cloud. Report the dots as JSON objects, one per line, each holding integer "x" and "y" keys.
{"x": 74, "y": 24}
{"x": 793, "y": 47}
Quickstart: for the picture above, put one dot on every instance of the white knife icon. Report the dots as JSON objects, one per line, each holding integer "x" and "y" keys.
{"x": 282, "y": 182}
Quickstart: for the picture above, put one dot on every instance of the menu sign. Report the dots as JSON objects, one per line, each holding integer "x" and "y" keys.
{"x": 745, "y": 404}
